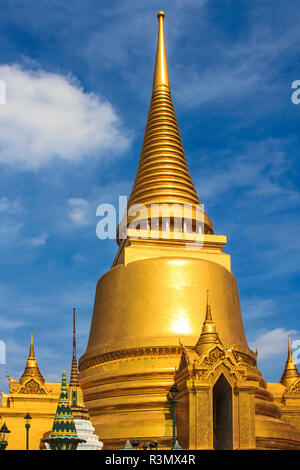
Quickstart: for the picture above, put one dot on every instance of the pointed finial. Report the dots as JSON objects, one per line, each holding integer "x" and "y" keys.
{"x": 31, "y": 349}
{"x": 290, "y": 373}
{"x": 208, "y": 317}
{"x": 64, "y": 378}
{"x": 290, "y": 356}
{"x": 161, "y": 74}
{"x": 209, "y": 335}
{"x": 74, "y": 333}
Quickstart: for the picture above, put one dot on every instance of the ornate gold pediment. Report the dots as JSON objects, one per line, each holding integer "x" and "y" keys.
{"x": 214, "y": 356}
{"x": 294, "y": 388}
{"x": 205, "y": 365}
{"x": 32, "y": 387}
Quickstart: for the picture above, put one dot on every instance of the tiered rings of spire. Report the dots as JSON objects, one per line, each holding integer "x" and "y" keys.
{"x": 163, "y": 176}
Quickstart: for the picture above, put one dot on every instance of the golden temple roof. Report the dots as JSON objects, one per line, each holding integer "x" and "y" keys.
{"x": 290, "y": 373}
{"x": 209, "y": 336}
{"x": 163, "y": 176}
{"x": 32, "y": 369}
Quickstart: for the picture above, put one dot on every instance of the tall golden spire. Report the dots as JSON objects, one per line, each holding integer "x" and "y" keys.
{"x": 290, "y": 373}
{"x": 209, "y": 335}
{"x": 74, "y": 382}
{"x": 32, "y": 369}
{"x": 163, "y": 176}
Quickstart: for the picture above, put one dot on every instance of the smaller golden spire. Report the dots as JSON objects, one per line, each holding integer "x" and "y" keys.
{"x": 79, "y": 411}
{"x": 161, "y": 74}
{"x": 290, "y": 373}
{"x": 209, "y": 335}
{"x": 32, "y": 369}
{"x": 74, "y": 382}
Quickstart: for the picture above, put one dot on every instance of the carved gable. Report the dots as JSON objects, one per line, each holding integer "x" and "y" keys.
{"x": 213, "y": 357}
{"x": 32, "y": 387}
{"x": 206, "y": 365}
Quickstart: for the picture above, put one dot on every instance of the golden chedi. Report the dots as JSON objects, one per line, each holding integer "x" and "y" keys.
{"x": 286, "y": 393}
{"x": 150, "y": 308}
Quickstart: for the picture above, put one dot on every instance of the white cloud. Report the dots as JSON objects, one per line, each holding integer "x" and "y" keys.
{"x": 78, "y": 258}
{"x": 272, "y": 343}
{"x": 38, "y": 241}
{"x": 49, "y": 115}
{"x": 246, "y": 68}
{"x": 259, "y": 171}
{"x": 9, "y": 206}
{"x": 9, "y": 230}
{"x": 7, "y": 324}
{"x": 255, "y": 307}
{"x": 79, "y": 211}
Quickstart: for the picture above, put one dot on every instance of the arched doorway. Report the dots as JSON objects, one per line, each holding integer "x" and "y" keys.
{"x": 222, "y": 414}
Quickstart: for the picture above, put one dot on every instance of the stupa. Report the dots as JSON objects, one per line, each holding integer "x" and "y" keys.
{"x": 152, "y": 304}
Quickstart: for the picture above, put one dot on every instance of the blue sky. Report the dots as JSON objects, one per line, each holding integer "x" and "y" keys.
{"x": 78, "y": 84}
